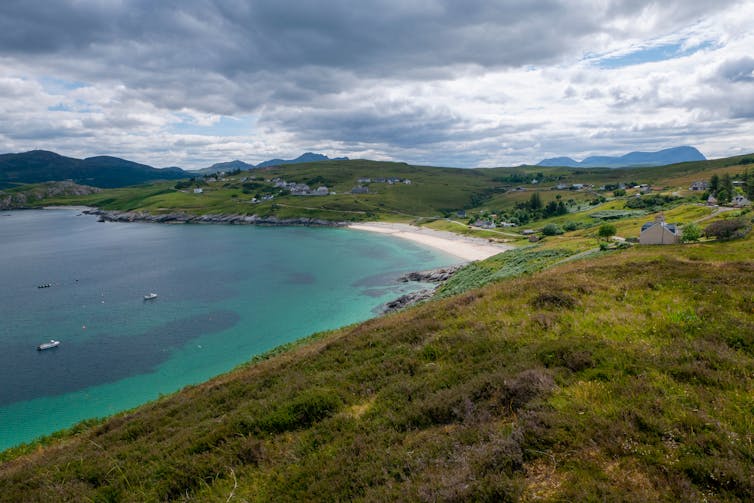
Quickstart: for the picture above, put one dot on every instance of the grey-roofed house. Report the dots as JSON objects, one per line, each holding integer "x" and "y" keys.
{"x": 659, "y": 233}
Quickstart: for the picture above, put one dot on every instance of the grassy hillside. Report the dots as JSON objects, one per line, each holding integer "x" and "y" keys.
{"x": 433, "y": 192}
{"x": 628, "y": 377}
{"x": 101, "y": 171}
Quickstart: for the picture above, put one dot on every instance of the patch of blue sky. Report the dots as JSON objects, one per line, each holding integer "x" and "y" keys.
{"x": 651, "y": 54}
{"x": 60, "y": 107}
{"x": 56, "y": 85}
{"x": 78, "y": 106}
{"x": 225, "y": 126}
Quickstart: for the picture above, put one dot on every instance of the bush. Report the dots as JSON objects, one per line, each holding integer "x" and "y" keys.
{"x": 727, "y": 229}
{"x": 570, "y": 226}
{"x": 551, "y": 230}
{"x": 607, "y": 231}
{"x": 691, "y": 232}
{"x": 308, "y": 408}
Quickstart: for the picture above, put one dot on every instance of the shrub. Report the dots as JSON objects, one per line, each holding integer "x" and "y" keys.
{"x": 570, "y": 226}
{"x": 691, "y": 232}
{"x": 308, "y": 408}
{"x": 551, "y": 230}
{"x": 727, "y": 229}
{"x": 607, "y": 231}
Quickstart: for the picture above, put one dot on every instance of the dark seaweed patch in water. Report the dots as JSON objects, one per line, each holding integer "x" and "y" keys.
{"x": 300, "y": 278}
{"x": 102, "y": 359}
{"x": 378, "y": 280}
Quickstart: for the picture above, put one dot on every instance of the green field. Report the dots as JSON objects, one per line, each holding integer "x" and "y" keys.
{"x": 434, "y": 193}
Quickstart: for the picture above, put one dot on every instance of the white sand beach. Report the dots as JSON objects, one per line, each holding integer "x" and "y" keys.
{"x": 464, "y": 247}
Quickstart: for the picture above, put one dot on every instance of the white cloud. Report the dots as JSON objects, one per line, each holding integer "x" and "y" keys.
{"x": 475, "y": 84}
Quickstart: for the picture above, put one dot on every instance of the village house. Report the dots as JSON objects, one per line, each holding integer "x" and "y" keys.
{"x": 740, "y": 201}
{"x": 360, "y": 190}
{"x": 699, "y": 185}
{"x": 659, "y": 233}
{"x": 198, "y": 191}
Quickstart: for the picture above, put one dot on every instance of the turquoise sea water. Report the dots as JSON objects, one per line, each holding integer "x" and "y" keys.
{"x": 226, "y": 293}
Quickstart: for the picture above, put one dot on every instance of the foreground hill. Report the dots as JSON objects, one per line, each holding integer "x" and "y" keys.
{"x": 659, "y": 158}
{"x": 626, "y": 378}
{"x": 102, "y": 171}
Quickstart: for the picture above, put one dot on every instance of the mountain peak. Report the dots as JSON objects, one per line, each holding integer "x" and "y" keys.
{"x": 659, "y": 158}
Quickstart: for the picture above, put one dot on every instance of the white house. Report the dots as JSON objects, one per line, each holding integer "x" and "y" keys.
{"x": 740, "y": 201}
{"x": 659, "y": 233}
{"x": 198, "y": 191}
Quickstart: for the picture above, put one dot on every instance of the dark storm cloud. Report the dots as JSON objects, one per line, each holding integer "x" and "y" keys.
{"x": 231, "y": 36}
{"x": 223, "y": 56}
{"x": 332, "y": 72}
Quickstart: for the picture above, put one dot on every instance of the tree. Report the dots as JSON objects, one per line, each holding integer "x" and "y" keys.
{"x": 714, "y": 184}
{"x": 691, "y": 232}
{"x": 535, "y": 202}
{"x": 606, "y": 231}
{"x": 725, "y": 192}
{"x": 750, "y": 184}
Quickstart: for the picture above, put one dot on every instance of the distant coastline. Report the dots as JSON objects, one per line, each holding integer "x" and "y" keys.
{"x": 187, "y": 218}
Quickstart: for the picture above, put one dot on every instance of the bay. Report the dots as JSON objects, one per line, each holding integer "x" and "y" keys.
{"x": 225, "y": 294}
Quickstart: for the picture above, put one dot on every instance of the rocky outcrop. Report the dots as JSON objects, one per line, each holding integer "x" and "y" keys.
{"x": 34, "y": 195}
{"x": 408, "y": 300}
{"x": 439, "y": 275}
{"x": 187, "y": 218}
{"x": 436, "y": 276}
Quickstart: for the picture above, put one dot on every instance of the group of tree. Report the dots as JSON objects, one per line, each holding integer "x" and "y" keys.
{"x": 721, "y": 188}
{"x": 650, "y": 202}
{"x": 727, "y": 229}
{"x": 541, "y": 210}
{"x": 191, "y": 182}
{"x": 521, "y": 177}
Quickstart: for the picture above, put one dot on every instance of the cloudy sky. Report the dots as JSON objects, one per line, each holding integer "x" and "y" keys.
{"x": 443, "y": 82}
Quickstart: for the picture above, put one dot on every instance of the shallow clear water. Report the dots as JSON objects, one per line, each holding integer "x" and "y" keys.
{"x": 225, "y": 292}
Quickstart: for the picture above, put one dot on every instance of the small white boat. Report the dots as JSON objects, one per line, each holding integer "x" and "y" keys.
{"x": 150, "y": 296}
{"x": 48, "y": 345}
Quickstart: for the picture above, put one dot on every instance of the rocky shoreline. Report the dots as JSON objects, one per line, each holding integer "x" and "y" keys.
{"x": 187, "y": 218}
{"x": 436, "y": 276}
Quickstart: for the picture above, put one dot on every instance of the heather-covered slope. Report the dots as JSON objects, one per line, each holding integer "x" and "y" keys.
{"x": 628, "y": 377}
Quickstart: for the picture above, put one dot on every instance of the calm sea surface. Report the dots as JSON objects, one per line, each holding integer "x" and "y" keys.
{"x": 226, "y": 293}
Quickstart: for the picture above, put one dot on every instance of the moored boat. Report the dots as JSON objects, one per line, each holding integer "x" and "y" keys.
{"x": 48, "y": 345}
{"x": 150, "y": 296}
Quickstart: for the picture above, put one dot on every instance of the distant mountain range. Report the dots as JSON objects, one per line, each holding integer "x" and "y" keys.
{"x": 109, "y": 172}
{"x": 229, "y": 166}
{"x": 659, "y": 158}
{"x": 101, "y": 171}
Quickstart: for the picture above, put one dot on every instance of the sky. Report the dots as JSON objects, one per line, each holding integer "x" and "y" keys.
{"x": 471, "y": 83}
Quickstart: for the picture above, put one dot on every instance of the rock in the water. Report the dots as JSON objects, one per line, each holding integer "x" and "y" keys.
{"x": 439, "y": 275}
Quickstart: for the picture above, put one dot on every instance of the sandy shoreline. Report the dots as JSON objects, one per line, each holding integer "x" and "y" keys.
{"x": 463, "y": 247}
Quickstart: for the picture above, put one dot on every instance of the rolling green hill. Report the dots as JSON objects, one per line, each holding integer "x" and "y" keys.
{"x": 627, "y": 377}
{"x": 102, "y": 171}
